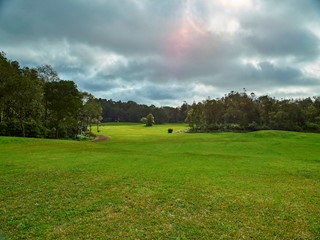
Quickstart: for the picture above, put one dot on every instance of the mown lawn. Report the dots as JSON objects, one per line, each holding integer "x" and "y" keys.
{"x": 144, "y": 183}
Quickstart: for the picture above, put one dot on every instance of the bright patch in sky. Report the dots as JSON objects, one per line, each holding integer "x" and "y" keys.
{"x": 169, "y": 51}
{"x": 236, "y": 3}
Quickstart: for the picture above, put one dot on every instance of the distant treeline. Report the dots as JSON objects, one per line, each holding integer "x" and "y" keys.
{"x": 239, "y": 111}
{"x": 117, "y": 111}
{"x": 35, "y": 102}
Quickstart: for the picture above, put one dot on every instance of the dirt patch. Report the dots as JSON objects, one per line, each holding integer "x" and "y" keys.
{"x": 100, "y": 138}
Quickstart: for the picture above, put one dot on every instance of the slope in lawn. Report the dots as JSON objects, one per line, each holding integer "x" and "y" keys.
{"x": 144, "y": 183}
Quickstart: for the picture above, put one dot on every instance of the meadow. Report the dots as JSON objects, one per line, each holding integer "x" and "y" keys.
{"x": 144, "y": 183}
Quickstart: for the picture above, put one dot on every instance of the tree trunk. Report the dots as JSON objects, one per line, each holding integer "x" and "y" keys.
{"x": 21, "y": 118}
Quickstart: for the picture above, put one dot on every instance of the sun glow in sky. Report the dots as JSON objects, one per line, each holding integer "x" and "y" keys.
{"x": 165, "y": 52}
{"x": 188, "y": 28}
{"x": 194, "y": 25}
{"x": 236, "y": 3}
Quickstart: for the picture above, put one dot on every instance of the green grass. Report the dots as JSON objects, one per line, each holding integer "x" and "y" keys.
{"x": 144, "y": 183}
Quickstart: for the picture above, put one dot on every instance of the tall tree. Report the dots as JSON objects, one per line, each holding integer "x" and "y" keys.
{"x": 64, "y": 103}
{"x": 47, "y": 73}
{"x": 90, "y": 112}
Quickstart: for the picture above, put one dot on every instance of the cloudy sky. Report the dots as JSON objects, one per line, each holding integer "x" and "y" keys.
{"x": 169, "y": 51}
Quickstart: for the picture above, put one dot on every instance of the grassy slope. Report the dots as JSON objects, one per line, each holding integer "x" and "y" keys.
{"x": 144, "y": 183}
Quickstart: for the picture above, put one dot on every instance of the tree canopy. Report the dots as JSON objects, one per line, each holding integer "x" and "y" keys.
{"x": 118, "y": 111}
{"x": 243, "y": 112}
{"x": 37, "y": 103}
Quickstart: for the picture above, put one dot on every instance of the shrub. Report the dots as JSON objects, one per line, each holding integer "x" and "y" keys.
{"x": 33, "y": 129}
{"x": 170, "y": 130}
{"x": 13, "y": 128}
{"x": 313, "y": 127}
{"x": 3, "y": 129}
{"x": 143, "y": 120}
{"x": 150, "y": 120}
{"x": 252, "y": 126}
{"x": 214, "y": 127}
{"x": 84, "y": 137}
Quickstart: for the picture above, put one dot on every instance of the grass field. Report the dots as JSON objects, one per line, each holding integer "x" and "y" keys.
{"x": 144, "y": 183}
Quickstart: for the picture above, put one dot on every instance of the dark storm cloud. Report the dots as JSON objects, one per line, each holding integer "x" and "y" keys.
{"x": 275, "y": 37}
{"x": 268, "y": 75}
{"x": 171, "y": 50}
{"x": 120, "y": 26}
{"x": 1, "y": 4}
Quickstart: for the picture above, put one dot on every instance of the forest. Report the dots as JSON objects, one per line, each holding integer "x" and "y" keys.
{"x": 35, "y": 102}
{"x": 117, "y": 111}
{"x": 239, "y": 111}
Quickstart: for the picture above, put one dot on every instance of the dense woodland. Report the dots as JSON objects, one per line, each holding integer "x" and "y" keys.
{"x": 239, "y": 111}
{"x": 35, "y": 102}
{"x": 133, "y": 112}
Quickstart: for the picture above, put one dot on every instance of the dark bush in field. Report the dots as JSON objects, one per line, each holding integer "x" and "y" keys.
{"x": 170, "y": 130}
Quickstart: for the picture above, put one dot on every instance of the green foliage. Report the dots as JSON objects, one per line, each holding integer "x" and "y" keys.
{"x": 313, "y": 127}
{"x": 143, "y": 120}
{"x": 33, "y": 128}
{"x": 144, "y": 183}
{"x": 47, "y": 73}
{"x": 13, "y": 127}
{"x": 150, "y": 120}
{"x": 3, "y": 129}
{"x": 63, "y": 103}
{"x": 90, "y": 112}
{"x": 85, "y": 136}
{"x": 242, "y": 112}
{"x": 117, "y": 111}
{"x": 37, "y": 103}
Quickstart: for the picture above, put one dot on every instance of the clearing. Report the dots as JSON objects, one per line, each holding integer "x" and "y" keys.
{"x": 144, "y": 183}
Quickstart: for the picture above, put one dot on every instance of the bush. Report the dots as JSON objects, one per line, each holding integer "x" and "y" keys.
{"x": 50, "y": 132}
{"x": 170, "y": 130}
{"x": 143, "y": 120}
{"x": 313, "y": 127}
{"x": 33, "y": 129}
{"x": 252, "y": 126}
{"x": 150, "y": 120}
{"x": 263, "y": 127}
{"x": 232, "y": 127}
{"x": 13, "y": 128}
{"x": 3, "y": 129}
{"x": 214, "y": 127}
{"x": 84, "y": 137}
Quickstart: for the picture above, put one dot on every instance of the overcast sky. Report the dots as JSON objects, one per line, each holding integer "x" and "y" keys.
{"x": 164, "y": 52}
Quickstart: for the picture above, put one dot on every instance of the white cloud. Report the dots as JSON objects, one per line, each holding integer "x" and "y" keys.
{"x": 184, "y": 49}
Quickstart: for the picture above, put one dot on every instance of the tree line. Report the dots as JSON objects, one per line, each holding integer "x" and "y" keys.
{"x": 35, "y": 102}
{"x": 239, "y": 111}
{"x": 117, "y": 111}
